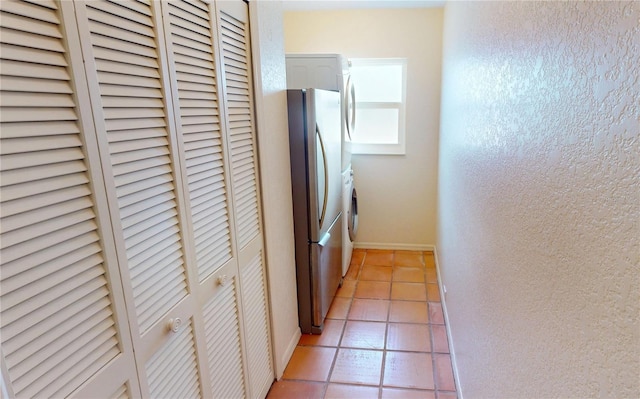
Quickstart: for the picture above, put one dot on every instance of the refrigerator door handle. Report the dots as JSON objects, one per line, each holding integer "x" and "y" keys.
{"x": 324, "y": 240}
{"x": 326, "y": 177}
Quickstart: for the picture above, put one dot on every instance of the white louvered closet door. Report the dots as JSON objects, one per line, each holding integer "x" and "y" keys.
{"x": 123, "y": 44}
{"x": 189, "y": 27}
{"x": 63, "y": 319}
{"x": 233, "y": 40}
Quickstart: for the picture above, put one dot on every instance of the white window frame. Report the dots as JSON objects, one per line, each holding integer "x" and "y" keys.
{"x": 397, "y": 148}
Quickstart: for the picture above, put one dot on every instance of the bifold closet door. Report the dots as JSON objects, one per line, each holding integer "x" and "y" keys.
{"x": 191, "y": 49}
{"x": 126, "y": 67}
{"x": 131, "y": 247}
{"x": 63, "y": 320}
{"x": 233, "y": 41}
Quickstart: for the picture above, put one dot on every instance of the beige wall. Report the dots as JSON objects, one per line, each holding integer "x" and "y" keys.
{"x": 273, "y": 146}
{"x": 539, "y": 218}
{"x": 397, "y": 194}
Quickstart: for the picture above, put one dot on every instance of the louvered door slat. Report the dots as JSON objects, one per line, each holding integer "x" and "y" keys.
{"x": 196, "y": 72}
{"x": 26, "y": 54}
{"x": 140, "y": 7}
{"x": 102, "y": 53}
{"x": 18, "y": 69}
{"x": 14, "y": 22}
{"x": 187, "y": 30}
{"x": 44, "y": 12}
{"x": 136, "y": 135}
{"x": 35, "y": 40}
{"x": 57, "y": 323}
{"x": 190, "y": 12}
{"x": 124, "y": 44}
{"x": 126, "y": 68}
{"x": 112, "y": 14}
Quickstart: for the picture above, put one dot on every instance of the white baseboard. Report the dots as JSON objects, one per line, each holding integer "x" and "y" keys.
{"x": 394, "y": 246}
{"x": 286, "y": 356}
{"x": 443, "y": 299}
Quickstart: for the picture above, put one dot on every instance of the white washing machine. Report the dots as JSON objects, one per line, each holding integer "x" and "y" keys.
{"x": 349, "y": 217}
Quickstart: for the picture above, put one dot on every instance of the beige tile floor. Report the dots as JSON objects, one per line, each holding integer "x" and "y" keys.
{"x": 384, "y": 336}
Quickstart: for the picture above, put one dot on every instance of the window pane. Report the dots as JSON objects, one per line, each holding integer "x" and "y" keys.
{"x": 376, "y": 126}
{"x": 377, "y": 83}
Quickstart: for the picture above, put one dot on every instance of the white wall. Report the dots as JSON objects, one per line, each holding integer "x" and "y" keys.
{"x": 275, "y": 176}
{"x": 397, "y": 194}
{"x": 539, "y": 218}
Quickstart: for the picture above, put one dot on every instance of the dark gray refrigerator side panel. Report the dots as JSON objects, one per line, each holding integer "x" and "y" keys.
{"x": 300, "y": 193}
{"x": 326, "y": 269}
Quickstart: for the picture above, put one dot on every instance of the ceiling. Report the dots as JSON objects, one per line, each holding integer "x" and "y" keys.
{"x": 298, "y": 5}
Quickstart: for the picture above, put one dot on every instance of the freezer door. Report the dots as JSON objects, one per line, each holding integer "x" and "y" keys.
{"x": 326, "y": 271}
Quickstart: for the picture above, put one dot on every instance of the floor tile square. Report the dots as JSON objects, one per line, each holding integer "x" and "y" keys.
{"x": 339, "y": 308}
{"x": 435, "y": 313}
{"x": 373, "y": 290}
{"x": 408, "y": 370}
{"x": 379, "y": 258}
{"x": 429, "y": 260}
{"x": 440, "y": 341}
{"x": 330, "y": 334}
{"x": 444, "y": 373}
{"x": 408, "y": 337}
{"x": 408, "y": 312}
{"x": 408, "y": 274}
{"x": 310, "y": 363}
{"x": 353, "y": 272}
{"x": 347, "y": 289}
{"x": 400, "y": 393}
{"x": 409, "y": 291}
{"x": 285, "y": 389}
{"x": 369, "y": 309}
{"x": 375, "y": 273}
{"x": 432, "y": 276}
{"x": 447, "y": 395}
{"x": 364, "y": 335}
{"x": 408, "y": 258}
{"x": 357, "y": 256}
{"x": 357, "y": 366}
{"x": 341, "y": 391}
{"x": 433, "y": 293}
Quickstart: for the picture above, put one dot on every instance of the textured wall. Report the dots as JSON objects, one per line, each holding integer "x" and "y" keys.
{"x": 397, "y": 194}
{"x": 275, "y": 176}
{"x": 539, "y": 193}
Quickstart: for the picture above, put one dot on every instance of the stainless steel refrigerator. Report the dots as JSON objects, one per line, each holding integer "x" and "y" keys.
{"x": 315, "y": 149}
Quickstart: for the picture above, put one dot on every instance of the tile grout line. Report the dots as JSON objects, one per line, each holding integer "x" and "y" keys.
{"x": 386, "y": 332}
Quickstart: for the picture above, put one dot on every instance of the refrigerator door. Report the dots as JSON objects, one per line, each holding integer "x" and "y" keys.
{"x": 324, "y": 160}
{"x": 326, "y": 272}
